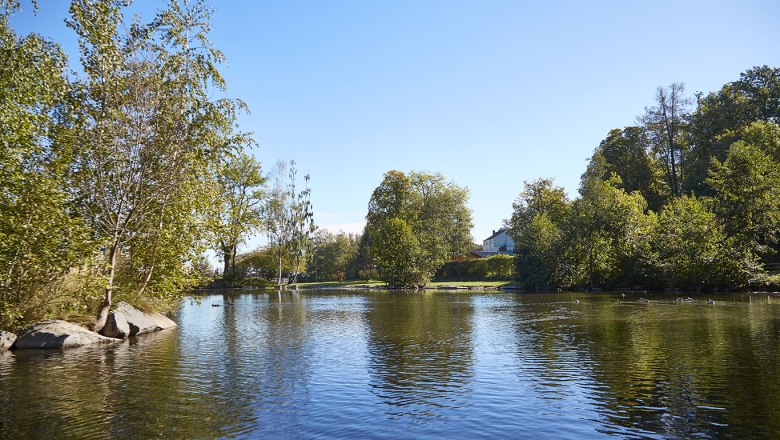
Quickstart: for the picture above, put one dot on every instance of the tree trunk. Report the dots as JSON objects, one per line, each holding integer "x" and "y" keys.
{"x": 105, "y": 305}
{"x": 279, "y": 280}
{"x": 226, "y": 257}
{"x": 233, "y": 257}
{"x": 294, "y": 276}
{"x": 674, "y": 183}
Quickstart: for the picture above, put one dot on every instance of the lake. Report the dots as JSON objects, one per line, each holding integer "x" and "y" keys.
{"x": 357, "y": 364}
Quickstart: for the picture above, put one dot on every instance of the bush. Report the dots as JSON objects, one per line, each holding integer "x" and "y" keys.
{"x": 255, "y": 282}
{"x": 497, "y": 267}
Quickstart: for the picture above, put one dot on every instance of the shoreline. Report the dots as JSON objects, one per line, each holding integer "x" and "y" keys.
{"x": 125, "y": 321}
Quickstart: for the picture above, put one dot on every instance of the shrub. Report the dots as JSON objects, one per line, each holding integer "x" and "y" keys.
{"x": 497, "y": 267}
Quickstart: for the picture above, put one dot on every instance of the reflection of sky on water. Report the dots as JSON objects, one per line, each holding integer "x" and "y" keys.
{"x": 387, "y": 365}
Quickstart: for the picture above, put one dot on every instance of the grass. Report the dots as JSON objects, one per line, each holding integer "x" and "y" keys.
{"x": 470, "y": 283}
{"x": 336, "y": 284}
{"x": 374, "y": 283}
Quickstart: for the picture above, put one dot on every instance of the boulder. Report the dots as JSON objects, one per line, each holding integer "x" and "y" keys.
{"x": 138, "y": 321}
{"x": 6, "y": 340}
{"x": 116, "y": 326}
{"x": 58, "y": 334}
{"x": 163, "y": 322}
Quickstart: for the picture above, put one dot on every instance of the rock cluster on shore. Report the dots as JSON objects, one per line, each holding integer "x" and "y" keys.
{"x": 127, "y": 321}
{"x": 124, "y": 321}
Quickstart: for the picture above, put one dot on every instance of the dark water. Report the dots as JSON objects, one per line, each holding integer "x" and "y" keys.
{"x": 415, "y": 365}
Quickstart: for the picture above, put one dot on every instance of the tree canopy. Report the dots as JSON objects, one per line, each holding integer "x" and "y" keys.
{"x": 416, "y": 223}
{"x": 685, "y": 199}
{"x": 109, "y": 176}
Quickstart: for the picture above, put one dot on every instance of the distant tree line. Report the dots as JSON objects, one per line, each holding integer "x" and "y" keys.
{"x": 688, "y": 198}
{"x": 416, "y": 223}
{"x": 329, "y": 257}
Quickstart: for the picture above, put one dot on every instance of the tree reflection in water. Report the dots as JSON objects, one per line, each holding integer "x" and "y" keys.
{"x": 435, "y": 364}
{"x": 421, "y": 351}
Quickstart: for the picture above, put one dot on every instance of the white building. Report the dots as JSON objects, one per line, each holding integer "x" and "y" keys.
{"x": 499, "y": 242}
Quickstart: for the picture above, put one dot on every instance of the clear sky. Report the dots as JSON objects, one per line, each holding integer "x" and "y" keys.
{"x": 489, "y": 93}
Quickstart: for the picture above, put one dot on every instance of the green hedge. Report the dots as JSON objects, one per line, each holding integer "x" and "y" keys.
{"x": 497, "y": 267}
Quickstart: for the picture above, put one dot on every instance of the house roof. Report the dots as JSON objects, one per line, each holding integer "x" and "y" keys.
{"x": 496, "y": 233}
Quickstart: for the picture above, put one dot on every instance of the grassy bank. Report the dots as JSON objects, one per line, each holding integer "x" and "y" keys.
{"x": 378, "y": 284}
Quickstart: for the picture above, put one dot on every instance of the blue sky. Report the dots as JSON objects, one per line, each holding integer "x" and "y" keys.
{"x": 489, "y": 93}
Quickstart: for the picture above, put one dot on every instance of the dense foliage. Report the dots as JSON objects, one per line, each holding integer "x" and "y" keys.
{"x": 109, "y": 178}
{"x": 41, "y": 234}
{"x": 416, "y": 223}
{"x": 333, "y": 257}
{"x": 238, "y": 211}
{"x": 496, "y": 267}
{"x": 114, "y": 181}
{"x": 685, "y": 199}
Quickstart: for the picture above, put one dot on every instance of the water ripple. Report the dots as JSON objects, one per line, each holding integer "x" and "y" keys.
{"x": 441, "y": 365}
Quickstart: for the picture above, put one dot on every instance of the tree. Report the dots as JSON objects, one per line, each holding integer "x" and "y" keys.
{"x": 539, "y": 213}
{"x": 605, "y": 233}
{"x": 625, "y": 153}
{"x": 428, "y": 215}
{"x": 331, "y": 256}
{"x": 710, "y": 132}
{"x": 150, "y": 135}
{"x": 764, "y": 135}
{"x": 689, "y": 242}
{"x": 664, "y": 125}
{"x": 538, "y": 245}
{"x": 720, "y": 117}
{"x": 539, "y": 196}
{"x": 263, "y": 263}
{"x": 41, "y": 236}
{"x": 362, "y": 265}
{"x": 238, "y": 214}
{"x": 761, "y": 88}
{"x": 398, "y": 253}
{"x": 289, "y": 217}
{"x": 747, "y": 195}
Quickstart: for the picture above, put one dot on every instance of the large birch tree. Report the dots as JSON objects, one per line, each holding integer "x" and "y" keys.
{"x": 150, "y": 137}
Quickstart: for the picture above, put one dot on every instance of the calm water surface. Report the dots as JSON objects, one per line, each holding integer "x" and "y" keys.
{"x": 415, "y": 365}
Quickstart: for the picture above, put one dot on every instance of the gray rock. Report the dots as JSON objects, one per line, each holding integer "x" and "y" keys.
{"x": 58, "y": 334}
{"x": 6, "y": 340}
{"x": 139, "y": 321}
{"x": 116, "y": 326}
{"x": 163, "y": 322}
